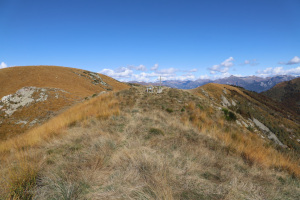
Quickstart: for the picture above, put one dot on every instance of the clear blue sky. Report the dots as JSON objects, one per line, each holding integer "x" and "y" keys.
{"x": 177, "y": 39}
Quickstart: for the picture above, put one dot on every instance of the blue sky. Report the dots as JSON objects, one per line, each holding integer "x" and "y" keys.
{"x": 143, "y": 39}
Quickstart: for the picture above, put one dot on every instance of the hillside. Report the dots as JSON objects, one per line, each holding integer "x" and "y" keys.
{"x": 287, "y": 93}
{"x": 256, "y": 110}
{"x": 194, "y": 144}
{"x": 30, "y": 95}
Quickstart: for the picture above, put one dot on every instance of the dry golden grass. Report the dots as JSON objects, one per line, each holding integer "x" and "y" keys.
{"x": 249, "y": 145}
{"x": 98, "y": 107}
{"x": 145, "y": 152}
{"x": 14, "y": 78}
{"x": 21, "y": 176}
{"x": 75, "y": 82}
{"x": 122, "y": 158}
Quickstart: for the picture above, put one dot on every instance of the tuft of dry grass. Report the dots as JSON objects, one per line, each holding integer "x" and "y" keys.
{"x": 21, "y": 179}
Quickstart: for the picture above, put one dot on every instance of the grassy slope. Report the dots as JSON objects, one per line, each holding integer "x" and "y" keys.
{"x": 252, "y": 105}
{"x": 168, "y": 146}
{"x": 288, "y": 93}
{"x": 14, "y": 78}
{"x": 74, "y": 81}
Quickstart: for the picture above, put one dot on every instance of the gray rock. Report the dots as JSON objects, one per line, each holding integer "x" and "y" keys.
{"x": 267, "y": 131}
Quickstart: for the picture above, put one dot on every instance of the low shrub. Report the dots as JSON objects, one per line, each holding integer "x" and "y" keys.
{"x": 229, "y": 116}
{"x": 169, "y": 110}
{"x": 155, "y": 131}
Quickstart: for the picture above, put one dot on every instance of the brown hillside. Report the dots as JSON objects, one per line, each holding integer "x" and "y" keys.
{"x": 71, "y": 80}
{"x": 252, "y": 106}
{"x": 49, "y": 89}
{"x": 288, "y": 93}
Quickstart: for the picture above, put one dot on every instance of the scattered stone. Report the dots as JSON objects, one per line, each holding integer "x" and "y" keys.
{"x": 267, "y": 131}
{"x": 245, "y": 124}
{"x": 22, "y": 122}
{"x": 24, "y": 97}
{"x": 225, "y": 102}
{"x": 95, "y": 77}
{"x": 204, "y": 92}
{"x": 33, "y": 122}
{"x": 233, "y": 102}
{"x": 103, "y": 92}
{"x": 21, "y": 98}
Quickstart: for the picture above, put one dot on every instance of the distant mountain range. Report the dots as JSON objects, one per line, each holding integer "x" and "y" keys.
{"x": 252, "y": 83}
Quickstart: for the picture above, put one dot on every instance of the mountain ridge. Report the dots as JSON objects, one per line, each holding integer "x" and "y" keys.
{"x": 253, "y": 83}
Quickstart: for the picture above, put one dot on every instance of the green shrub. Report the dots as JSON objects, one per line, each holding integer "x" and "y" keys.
{"x": 225, "y": 110}
{"x": 230, "y": 116}
{"x": 155, "y": 131}
{"x": 199, "y": 106}
{"x": 169, "y": 110}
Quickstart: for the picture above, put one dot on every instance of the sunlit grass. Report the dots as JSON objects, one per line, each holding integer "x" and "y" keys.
{"x": 249, "y": 145}
{"x": 100, "y": 107}
{"x": 20, "y": 172}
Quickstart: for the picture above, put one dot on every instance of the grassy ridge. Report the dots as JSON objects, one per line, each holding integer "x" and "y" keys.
{"x": 145, "y": 152}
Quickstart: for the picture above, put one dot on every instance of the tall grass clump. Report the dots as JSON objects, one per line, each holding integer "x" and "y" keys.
{"x": 21, "y": 176}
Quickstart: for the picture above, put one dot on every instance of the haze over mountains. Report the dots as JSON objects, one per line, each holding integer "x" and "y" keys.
{"x": 252, "y": 83}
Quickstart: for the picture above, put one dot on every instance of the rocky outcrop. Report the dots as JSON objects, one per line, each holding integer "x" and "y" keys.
{"x": 267, "y": 131}
{"x": 24, "y": 97}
